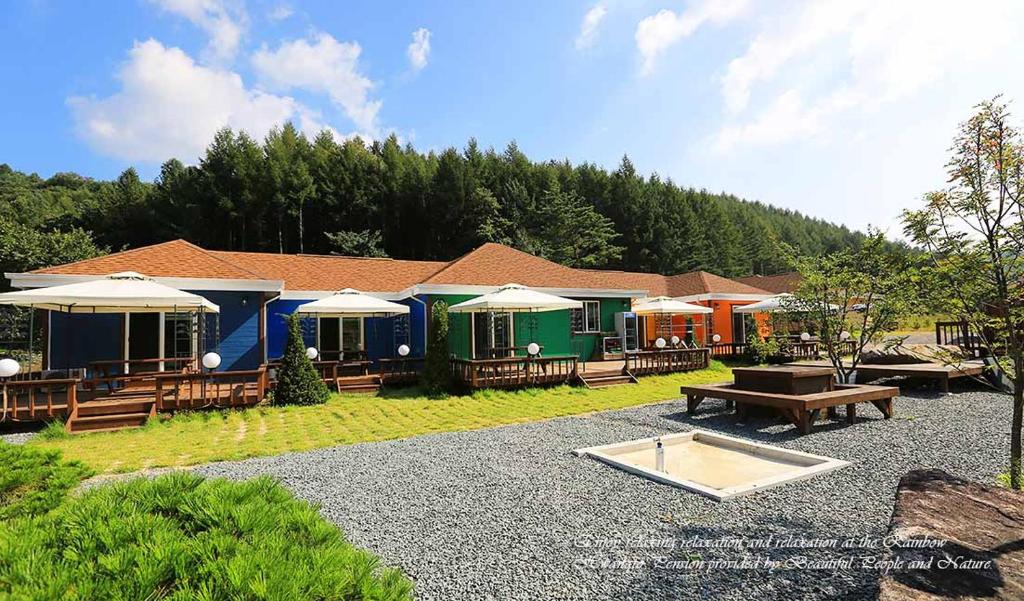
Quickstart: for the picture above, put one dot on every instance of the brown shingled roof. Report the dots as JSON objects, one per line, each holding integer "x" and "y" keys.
{"x": 496, "y": 264}
{"x": 489, "y": 265}
{"x": 174, "y": 259}
{"x": 332, "y": 272}
{"x": 777, "y": 284}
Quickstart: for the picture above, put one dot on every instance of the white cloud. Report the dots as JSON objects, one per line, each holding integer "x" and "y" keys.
{"x": 419, "y": 48}
{"x": 224, "y": 25}
{"x": 280, "y": 12}
{"x": 827, "y": 63}
{"x": 657, "y": 33}
{"x": 322, "y": 65}
{"x": 170, "y": 106}
{"x": 588, "y": 28}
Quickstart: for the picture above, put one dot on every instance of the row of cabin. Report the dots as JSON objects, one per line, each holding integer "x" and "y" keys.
{"x": 257, "y": 291}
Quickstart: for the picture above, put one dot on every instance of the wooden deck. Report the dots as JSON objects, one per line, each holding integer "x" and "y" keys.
{"x": 801, "y": 410}
{"x": 941, "y": 374}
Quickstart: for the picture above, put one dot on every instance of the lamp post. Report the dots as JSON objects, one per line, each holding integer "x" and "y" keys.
{"x": 8, "y": 368}
{"x": 211, "y": 361}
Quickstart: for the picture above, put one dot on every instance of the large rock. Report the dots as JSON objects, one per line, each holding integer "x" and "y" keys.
{"x": 912, "y": 353}
{"x": 983, "y": 529}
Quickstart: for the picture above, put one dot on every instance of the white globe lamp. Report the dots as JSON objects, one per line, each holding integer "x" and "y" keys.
{"x": 533, "y": 349}
{"x": 312, "y": 353}
{"x": 844, "y": 335}
{"x": 211, "y": 360}
{"x": 675, "y": 340}
{"x": 805, "y": 336}
{"x": 716, "y": 338}
{"x": 9, "y": 367}
{"x": 403, "y": 350}
{"x": 660, "y": 342}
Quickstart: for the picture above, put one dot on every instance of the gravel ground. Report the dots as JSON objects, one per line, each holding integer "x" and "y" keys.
{"x": 510, "y": 513}
{"x": 20, "y": 436}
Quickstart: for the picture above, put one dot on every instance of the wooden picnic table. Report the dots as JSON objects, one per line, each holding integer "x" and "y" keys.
{"x": 802, "y": 410}
{"x": 942, "y": 374}
{"x": 784, "y": 379}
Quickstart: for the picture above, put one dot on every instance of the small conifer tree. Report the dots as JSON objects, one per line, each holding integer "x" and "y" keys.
{"x": 436, "y": 371}
{"x": 298, "y": 382}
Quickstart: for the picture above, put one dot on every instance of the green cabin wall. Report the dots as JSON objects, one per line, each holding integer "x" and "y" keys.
{"x": 551, "y": 329}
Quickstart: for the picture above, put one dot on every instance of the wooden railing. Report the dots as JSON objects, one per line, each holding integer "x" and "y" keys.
{"x": 329, "y": 371}
{"x": 728, "y": 349}
{"x": 667, "y": 361}
{"x": 513, "y": 372}
{"x": 33, "y": 400}
{"x": 194, "y": 390}
{"x": 400, "y": 370}
{"x": 959, "y": 333}
{"x": 110, "y": 367}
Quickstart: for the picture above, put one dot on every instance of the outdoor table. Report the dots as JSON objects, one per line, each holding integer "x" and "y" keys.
{"x": 784, "y": 379}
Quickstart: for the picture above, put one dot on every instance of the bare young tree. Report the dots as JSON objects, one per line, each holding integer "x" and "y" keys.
{"x": 855, "y": 297}
{"x": 972, "y": 231}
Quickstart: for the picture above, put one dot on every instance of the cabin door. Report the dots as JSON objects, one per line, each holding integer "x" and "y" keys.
{"x": 143, "y": 340}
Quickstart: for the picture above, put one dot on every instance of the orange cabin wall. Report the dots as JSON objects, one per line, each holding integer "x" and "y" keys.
{"x": 719, "y": 322}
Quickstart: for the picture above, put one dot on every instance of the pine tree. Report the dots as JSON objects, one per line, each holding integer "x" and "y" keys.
{"x": 298, "y": 383}
{"x": 436, "y": 370}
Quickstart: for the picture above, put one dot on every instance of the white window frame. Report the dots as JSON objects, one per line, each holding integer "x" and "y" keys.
{"x": 588, "y": 310}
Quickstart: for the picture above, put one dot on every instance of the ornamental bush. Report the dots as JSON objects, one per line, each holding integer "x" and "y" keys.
{"x": 34, "y": 481}
{"x": 436, "y": 370}
{"x": 180, "y": 536}
{"x": 298, "y": 382}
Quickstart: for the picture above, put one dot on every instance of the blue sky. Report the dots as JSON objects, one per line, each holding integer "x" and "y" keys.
{"x": 841, "y": 109}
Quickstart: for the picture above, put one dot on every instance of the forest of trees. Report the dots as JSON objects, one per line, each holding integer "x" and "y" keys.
{"x": 291, "y": 194}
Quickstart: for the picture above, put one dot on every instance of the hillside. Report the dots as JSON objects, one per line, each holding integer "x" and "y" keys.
{"x": 320, "y": 196}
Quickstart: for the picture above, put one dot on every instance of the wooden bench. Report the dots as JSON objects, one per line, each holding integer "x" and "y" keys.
{"x": 940, "y": 373}
{"x": 802, "y": 410}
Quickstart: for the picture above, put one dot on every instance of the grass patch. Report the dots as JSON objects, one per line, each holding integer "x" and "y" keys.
{"x": 34, "y": 481}
{"x": 193, "y": 438}
{"x": 182, "y": 537}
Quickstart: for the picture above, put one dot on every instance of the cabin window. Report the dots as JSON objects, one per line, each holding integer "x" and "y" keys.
{"x": 588, "y": 319}
{"x": 178, "y": 335}
{"x": 351, "y": 334}
{"x": 492, "y": 335}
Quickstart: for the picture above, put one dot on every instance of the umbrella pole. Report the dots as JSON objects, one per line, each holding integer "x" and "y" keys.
{"x": 31, "y": 356}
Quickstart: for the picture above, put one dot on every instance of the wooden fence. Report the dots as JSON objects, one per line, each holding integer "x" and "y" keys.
{"x": 667, "y": 361}
{"x": 37, "y": 400}
{"x": 193, "y": 390}
{"x": 514, "y": 372}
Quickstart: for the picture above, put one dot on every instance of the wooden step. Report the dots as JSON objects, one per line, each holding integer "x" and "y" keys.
{"x": 358, "y": 383}
{"x": 606, "y": 378}
{"x": 105, "y": 423}
{"x": 115, "y": 406}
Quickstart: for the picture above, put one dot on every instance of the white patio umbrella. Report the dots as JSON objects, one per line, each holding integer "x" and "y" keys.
{"x": 515, "y": 298}
{"x": 352, "y": 303}
{"x": 780, "y": 303}
{"x": 663, "y": 305}
{"x": 126, "y": 292}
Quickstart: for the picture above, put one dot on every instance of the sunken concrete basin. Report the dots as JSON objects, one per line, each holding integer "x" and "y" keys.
{"x": 712, "y": 464}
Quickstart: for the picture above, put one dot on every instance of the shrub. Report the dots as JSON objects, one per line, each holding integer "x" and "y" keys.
{"x": 298, "y": 382}
{"x": 762, "y": 351}
{"x": 34, "y": 481}
{"x": 436, "y": 370}
{"x": 182, "y": 537}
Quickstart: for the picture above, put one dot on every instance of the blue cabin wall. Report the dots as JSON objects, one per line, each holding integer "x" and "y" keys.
{"x": 239, "y": 328}
{"x": 377, "y": 331}
{"x": 80, "y": 338}
{"x": 76, "y": 339}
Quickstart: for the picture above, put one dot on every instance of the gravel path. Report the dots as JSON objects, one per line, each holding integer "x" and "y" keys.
{"x": 509, "y": 513}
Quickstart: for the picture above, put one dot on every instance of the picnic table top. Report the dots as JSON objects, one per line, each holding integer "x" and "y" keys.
{"x": 794, "y": 371}
{"x": 965, "y": 368}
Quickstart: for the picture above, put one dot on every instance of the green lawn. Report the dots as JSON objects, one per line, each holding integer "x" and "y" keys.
{"x": 200, "y": 437}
